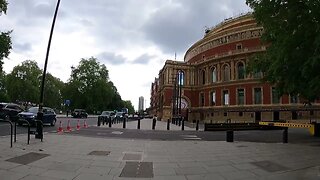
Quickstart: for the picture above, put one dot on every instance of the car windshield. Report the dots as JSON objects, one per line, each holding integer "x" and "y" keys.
{"x": 33, "y": 110}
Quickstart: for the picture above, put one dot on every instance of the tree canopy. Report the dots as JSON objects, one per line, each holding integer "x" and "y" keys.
{"x": 89, "y": 87}
{"x": 292, "y": 33}
{"x": 5, "y": 39}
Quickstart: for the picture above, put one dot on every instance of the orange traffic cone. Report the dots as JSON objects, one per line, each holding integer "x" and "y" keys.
{"x": 78, "y": 125}
{"x": 85, "y": 125}
{"x": 60, "y": 130}
{"x": 69, "y": 129}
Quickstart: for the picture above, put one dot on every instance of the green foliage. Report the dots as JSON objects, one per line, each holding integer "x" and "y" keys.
{"x": 3, "y": 6}
{"x": 292, "y": 32}
{"x": 23, "y": 82}
{"x": 128, "y": 104}
{"x": 5, "y": 39}
{"x": 53, "y": 92}
{"x": 89, "y": 88}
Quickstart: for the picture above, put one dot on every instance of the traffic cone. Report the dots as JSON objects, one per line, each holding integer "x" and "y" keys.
{"x": 78, "y": 125}
{"x": 60, "y": 130}
{"x": 69, "y": 129}
{"x": 85, "y": 125}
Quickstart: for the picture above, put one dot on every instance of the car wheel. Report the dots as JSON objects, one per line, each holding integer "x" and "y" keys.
{"x": 53, "y": 123}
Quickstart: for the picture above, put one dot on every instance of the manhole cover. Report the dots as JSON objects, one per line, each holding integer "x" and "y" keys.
{"x": 28, "y": 158}
{"x": 137, "y": 170}
{"x": 99, "y": 153}
{"x": 132, "y": 157}
{"x": 269, "y": 166}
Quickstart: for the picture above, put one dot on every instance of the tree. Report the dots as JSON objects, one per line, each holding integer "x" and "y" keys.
{"x": 292, "y": 33}
{"x": 23, "y": 82}
{"x": 5, "y": 47}
{"x": 53, "y": 92}
{"x": 89, "y": 87}
{"x": 128, "y": 104}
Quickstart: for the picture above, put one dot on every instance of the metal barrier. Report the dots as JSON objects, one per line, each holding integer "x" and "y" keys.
{"x": 314, "y": 128}
{"x": 15, "y": 131}
{"x": 11, "y": 129}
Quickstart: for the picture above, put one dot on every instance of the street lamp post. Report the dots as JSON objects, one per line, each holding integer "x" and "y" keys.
{"x": 40, "y": 113}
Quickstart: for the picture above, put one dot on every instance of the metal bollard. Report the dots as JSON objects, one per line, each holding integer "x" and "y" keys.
{"x": 99, "y": 123}
{"x": 124, "y": 122}
{"x": 197, "y": 125}
{"x": 285, "y": 135}
{"x": 138, "y": 123}
{"x": 168, "y": 124}
{"x": 182, "y": 124}
{"x": 230, "y": 136}
{"x": 110, "y": 122}
{"x": 153, "y": 123}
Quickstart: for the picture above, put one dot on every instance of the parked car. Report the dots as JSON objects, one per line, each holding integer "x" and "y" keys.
{"x": 49, "y": 116}
{"x": 105, "y": 116}
{"x": 9, "y": 111}
{"x": 79, "y": 113}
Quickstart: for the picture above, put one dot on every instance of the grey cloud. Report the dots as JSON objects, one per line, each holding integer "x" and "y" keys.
{"x": 21, "y": 47}
{"x": 143, "y": 59}
{"x": 111, "y": 58}
{"x": 177, "y": 27}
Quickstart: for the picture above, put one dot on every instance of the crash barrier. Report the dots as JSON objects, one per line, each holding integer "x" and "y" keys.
{"x": 314, "y": 128}
{"x": 237, "y": 126}
{"x": 11, "y": 130}
{"x": 230, "y": 135}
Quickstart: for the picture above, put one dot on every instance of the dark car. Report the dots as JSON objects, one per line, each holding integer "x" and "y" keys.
{"x": 49, "y": 116}
{"x": 79, "y": 113}
{"x": 105, "y": 116}
{"x": 9, "y": 111}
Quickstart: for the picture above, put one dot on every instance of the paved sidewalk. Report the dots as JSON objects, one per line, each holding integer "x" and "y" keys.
{"x": 68, "y": 156}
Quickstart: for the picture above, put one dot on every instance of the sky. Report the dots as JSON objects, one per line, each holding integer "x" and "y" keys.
{"x": 133, "y": 38}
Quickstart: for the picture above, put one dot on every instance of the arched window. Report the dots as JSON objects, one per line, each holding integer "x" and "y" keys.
{"x": 181, "y": 77}
{"x": 226, "y": 73}
{"x": 240, "y": 70}
{"x": 214, "y": 74}
{"x": 203, "y": 73}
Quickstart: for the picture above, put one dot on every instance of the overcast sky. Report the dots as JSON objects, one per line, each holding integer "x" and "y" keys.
{"x": 133, "y": 38}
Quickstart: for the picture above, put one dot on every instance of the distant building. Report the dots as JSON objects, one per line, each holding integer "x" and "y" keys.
{"x": 141, "y": 104}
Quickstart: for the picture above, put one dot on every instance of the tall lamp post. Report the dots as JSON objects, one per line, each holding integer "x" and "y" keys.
{"x": 40, "y": 113}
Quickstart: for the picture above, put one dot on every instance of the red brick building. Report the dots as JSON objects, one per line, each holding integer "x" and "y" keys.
{"x": 214, "y": 85}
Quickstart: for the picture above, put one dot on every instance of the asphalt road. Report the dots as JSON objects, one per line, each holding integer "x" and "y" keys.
{"x": 267, "y": 136}
{"x": 5, "y": 127}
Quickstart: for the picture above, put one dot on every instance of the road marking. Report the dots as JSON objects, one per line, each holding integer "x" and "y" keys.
{"x": 116, "y": 132}
{"x": 189, "y": 136}
{"x": 192, "y": 138}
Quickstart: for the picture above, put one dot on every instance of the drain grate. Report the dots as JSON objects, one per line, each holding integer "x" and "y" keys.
{"x": 99, "y": 153}
{"x": 137, "y": 170}
{"x": 132, "y": 157}
{"x": 28, "y": 158}
{"x": 270, "y": 166}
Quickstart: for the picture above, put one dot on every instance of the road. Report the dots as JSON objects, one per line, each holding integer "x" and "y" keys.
{"x": 267, "y": 136}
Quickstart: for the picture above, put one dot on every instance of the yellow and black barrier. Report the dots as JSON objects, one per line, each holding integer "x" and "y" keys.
{"x": 314, "y": 128}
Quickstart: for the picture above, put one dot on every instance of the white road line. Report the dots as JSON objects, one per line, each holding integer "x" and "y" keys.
{"x": 116, "y": 132}
{"x": 189, "y": 136}
{"x": 192, "y": 138}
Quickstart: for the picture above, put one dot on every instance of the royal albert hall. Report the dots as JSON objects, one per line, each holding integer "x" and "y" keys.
{"x": 211, "y": 84}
